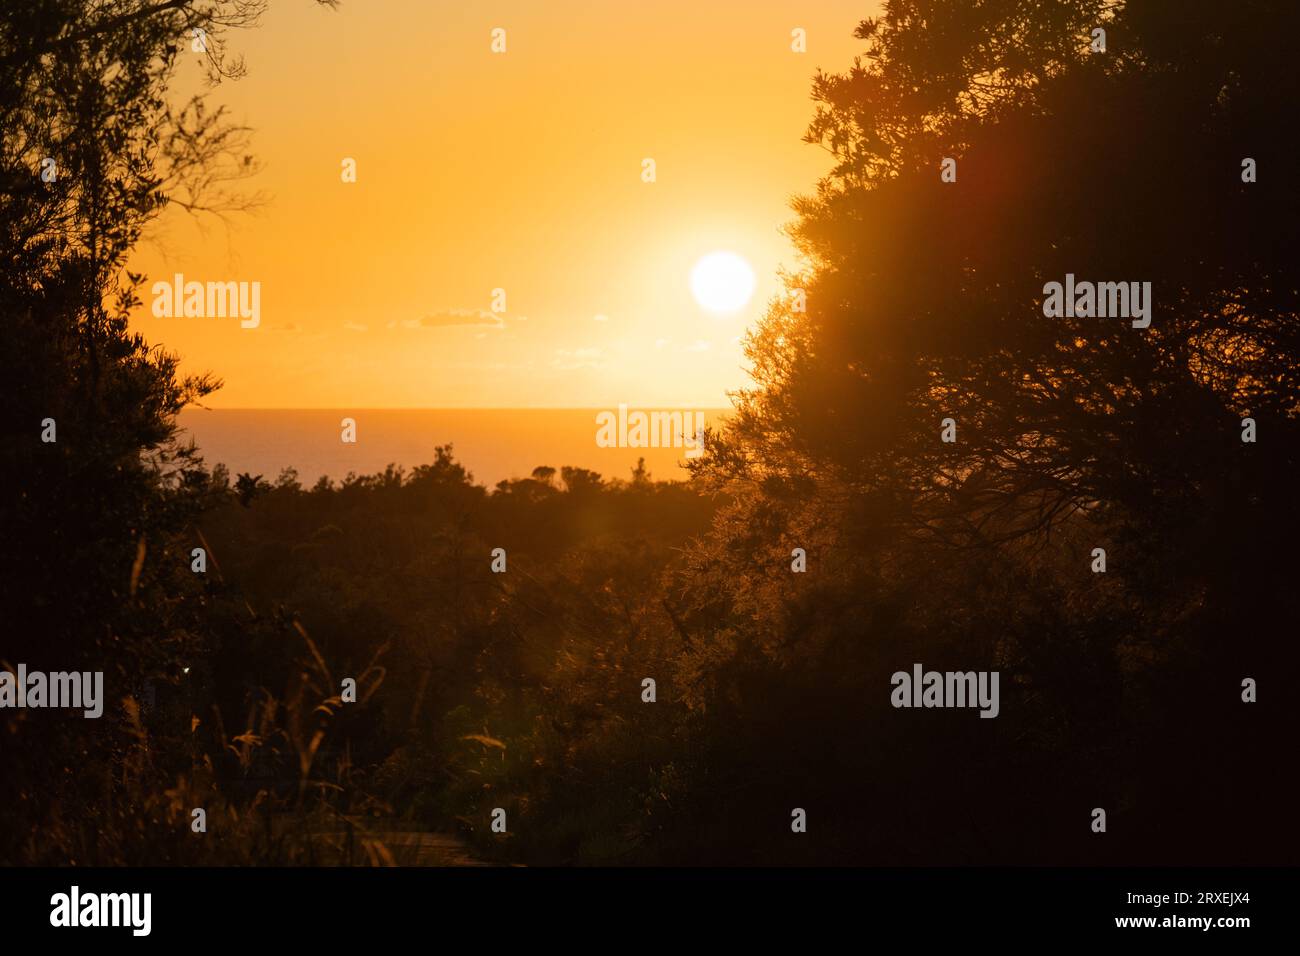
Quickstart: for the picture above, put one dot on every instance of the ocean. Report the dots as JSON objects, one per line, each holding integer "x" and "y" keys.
{"x": 492, "y": 443}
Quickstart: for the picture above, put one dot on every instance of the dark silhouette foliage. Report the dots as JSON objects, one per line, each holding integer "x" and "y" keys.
{"x": 524, "y": 690}
{"x": 924, "y": 302}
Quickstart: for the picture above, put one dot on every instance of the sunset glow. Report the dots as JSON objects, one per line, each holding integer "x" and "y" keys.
{"x": 478, "y": 171}
{"x": 722, "y": 282}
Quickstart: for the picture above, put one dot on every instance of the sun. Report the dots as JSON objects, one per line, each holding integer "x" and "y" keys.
{"x": 722, "y": 282}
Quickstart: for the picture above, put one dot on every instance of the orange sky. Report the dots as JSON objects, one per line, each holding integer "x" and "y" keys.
{"x": 519, "y": 171}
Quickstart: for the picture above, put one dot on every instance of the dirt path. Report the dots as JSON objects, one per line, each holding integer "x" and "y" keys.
{"x": 415, "y": 848}
{"x": 388, "y": 843}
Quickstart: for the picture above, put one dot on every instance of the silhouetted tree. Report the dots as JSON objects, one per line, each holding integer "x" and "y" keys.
{"x": 922, "y": 301}
{"x": 580, "y": 480}
{"x": 91, "y": 149}
{"x": 247, "y": 487}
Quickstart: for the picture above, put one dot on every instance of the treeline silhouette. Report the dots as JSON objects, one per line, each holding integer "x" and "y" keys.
{"x": 519, "y": 688}
{"x": 921, "y": 302}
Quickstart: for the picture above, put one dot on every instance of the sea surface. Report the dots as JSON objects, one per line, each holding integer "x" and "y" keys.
{"x": 492, "y": 443}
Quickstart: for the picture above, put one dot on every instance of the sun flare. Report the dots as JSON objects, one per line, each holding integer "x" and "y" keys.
{"x": 722, "y": 282}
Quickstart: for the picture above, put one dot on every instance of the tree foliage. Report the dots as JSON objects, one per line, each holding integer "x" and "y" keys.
{"x": 924, "y": 303}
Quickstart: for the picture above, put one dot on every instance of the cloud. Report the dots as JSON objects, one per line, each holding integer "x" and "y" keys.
{"x": 567, "y": 360}
{"x": 355, "y": 326}
{"x": 450, "y": 317}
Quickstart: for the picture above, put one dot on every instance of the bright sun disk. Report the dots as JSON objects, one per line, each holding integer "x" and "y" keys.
{"x": 722, "y": 282}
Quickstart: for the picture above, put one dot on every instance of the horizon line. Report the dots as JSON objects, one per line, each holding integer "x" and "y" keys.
{"x": 445, "y": 408}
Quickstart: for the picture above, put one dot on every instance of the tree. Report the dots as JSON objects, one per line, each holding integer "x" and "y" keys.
{"x": 640, "y": 474}
{"x": 925, "y": 298}
{"x": 924, "y": 303}
{"x": 580, "y": 481}
{"x": 91, "y": 149}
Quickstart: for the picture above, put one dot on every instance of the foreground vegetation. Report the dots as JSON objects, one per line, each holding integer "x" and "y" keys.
{"x": 523, "y": 690}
